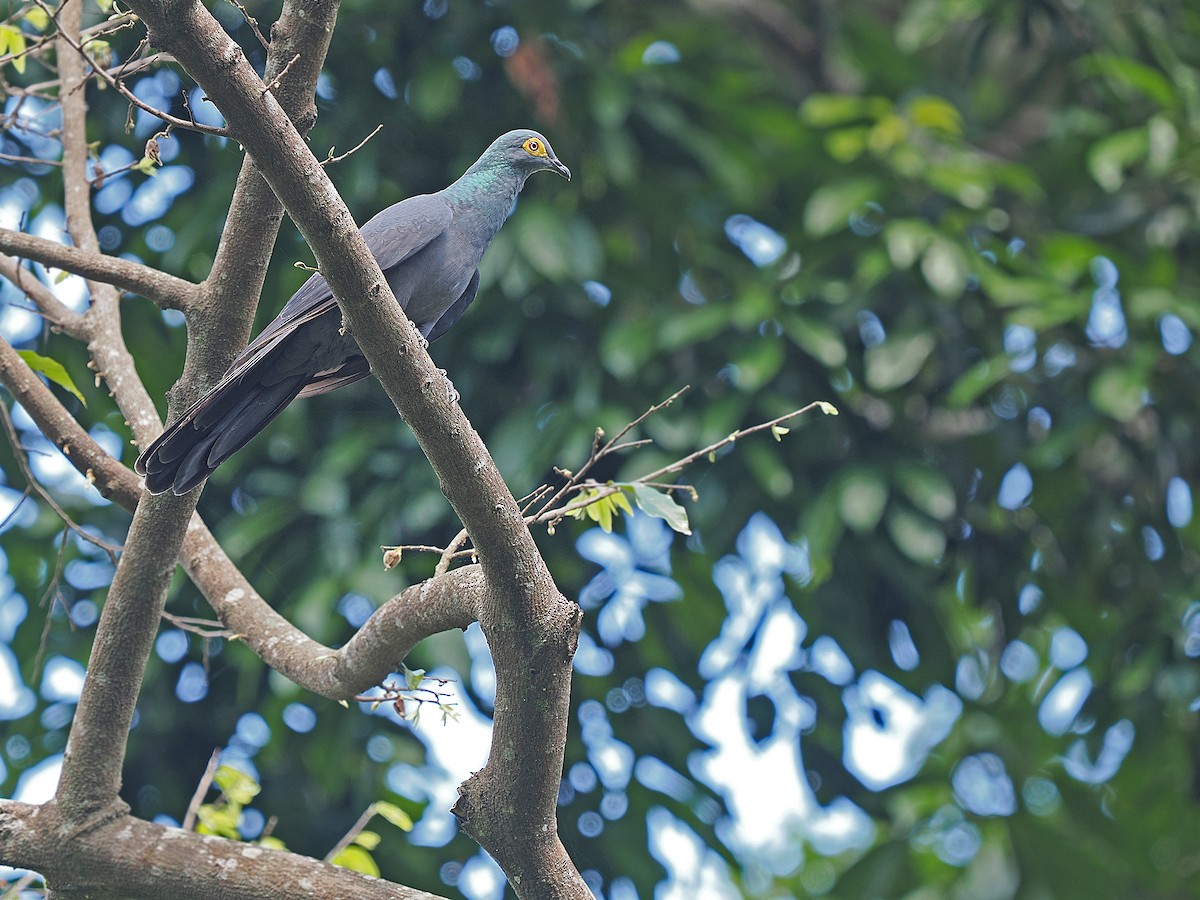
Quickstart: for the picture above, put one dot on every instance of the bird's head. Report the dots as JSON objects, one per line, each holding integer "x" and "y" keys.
{"x": 527, "y": 151}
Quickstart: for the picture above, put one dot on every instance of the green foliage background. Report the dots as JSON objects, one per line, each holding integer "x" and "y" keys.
{"x": 955, "y": 180}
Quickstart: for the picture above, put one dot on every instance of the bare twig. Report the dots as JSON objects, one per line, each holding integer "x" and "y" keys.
{"x": 253, "y": 23}
{"x": 336, "y": 159}
{"x": 451, "y": 553}
{"x": 415, "y": 690}
{"x": 189, "y": 819}
{"x": 53, "y": 594}
{"x": 278, "y": 79}
{"x": 11, "y": 433}
{"x": 686, "y": 461}
{"x": 119, "y": 86}
{"x": 31, "y": 160}
{"x": 121, "y": 73}
{"x": 355, "y": 830}
{"x": 205, "y": 628}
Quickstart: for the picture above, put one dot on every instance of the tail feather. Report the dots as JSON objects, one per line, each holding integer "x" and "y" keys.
{"x": 214, "y": 428}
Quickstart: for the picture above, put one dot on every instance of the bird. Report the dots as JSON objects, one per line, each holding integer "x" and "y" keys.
{"x": 429, "y": 248}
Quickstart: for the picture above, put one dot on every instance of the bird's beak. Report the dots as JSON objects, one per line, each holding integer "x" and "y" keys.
{"x": 560, "y": 168}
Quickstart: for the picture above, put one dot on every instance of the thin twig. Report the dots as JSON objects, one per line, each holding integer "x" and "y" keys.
{"x": 599, "y": 452}
{"x": 53, "y": 594}
{"x": 189, "y": 819}
{"x": 416, "y": 548}
{"x": 278, "y": 79}
{"x": 205, "y": 628}
{"x": 119, "y": 86}
{"x": 601, "y": 491}
{"x": 336, "y": 159}
{"x": 577, "y": 482}
{"x": 657, "y": 407}
{"x": 16, "y": 508}
{"x": 355, "y": 831}
{"x": 31, "y": 160}
{"x": 253, "y": 23}
{"x": 450, "y": 553}
{"x": 631, "y": 445}
{"x": 120, "y": 73}
{"x": 19, "y": 885}
{"x": 11, "y": 433}
{"x": 45, "y": 42}
{"x": 686, "y": 461}
{"x": 533, "y": 497}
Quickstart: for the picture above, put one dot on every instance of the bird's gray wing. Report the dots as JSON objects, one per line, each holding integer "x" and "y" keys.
{"x": 392, "y": 235}
{"x": 456, "y": 310}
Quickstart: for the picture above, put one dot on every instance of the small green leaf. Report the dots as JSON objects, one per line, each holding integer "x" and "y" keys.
{"x": 831, "y": 206}
{"x": 828, "y": 408}
{"x": 602, "y": 509}
{"x": 935, "y": 114}
{"x": 917, "y": 537}
{"x": 861, "y": 498}
{"x": 897, "y": 360}
{"x": 778, "y": 431}
{"x": 12, "y": 40}
{"x": 828, "y": 110}
{"x": 36, "y": 16}
{"x": 368, "y": 840}
{"x": 601, "y": 513}
{"x": 393, "y": 814}
{"x": 1110, "y": 156}
{"x": 660, "y": 505}
{"x": 619, "y": 500}
{"x": 146, "y": 166}
{"x": 272, "y": 843}
{"x": 977, "y": 379}
{"x": 357, "y": 859}
{"x": 100, "y": 51}
{"x": 52, "y": 369}
{"x": 62, "y": 276}
{"x": 1119, "y": 391}
{"x": 218, "y": 820}
{"x": 237, "y": 786}
{"x": 928, "y": 489}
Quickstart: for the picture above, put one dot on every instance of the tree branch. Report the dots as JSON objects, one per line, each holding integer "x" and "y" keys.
{"x": 510, "y": 806}
{"x": 165, "y": 290}
{"x": 57, "y": 313}
{"x": 376, "y": 649}
{"x": 156, "y": 862}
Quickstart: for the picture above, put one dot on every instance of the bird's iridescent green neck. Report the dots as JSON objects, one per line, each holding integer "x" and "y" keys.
{"x": 490, "y": 185}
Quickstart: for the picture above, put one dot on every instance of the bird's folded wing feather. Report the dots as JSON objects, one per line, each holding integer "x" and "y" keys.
{"x": 393, "y": 236}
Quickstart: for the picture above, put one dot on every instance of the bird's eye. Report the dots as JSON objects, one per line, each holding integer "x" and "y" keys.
{"x": 534, "y": 147}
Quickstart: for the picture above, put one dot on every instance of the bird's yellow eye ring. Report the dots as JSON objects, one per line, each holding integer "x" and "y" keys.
{"x": 534, "y": 147}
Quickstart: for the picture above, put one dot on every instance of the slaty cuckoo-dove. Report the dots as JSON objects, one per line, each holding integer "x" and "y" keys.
{"x": 429, "y": 248}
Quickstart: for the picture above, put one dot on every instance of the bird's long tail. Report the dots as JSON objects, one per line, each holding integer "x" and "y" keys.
{"x": 215, "y": 427}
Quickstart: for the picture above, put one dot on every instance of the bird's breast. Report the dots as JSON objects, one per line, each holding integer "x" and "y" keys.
{"x": 428, "y": 282}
